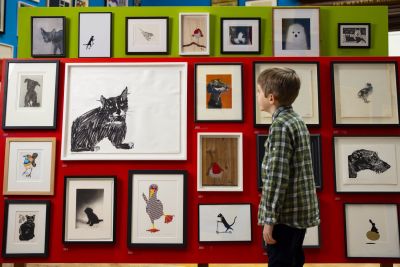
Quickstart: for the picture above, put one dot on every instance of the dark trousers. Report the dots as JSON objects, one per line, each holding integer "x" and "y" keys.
{"x": 288, "y": 250}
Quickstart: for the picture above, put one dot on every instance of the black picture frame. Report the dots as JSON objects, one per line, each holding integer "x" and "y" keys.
{"x": 351, "y": 40}
{"x": 160, "y": 52}
{"x": 90, "y": 197}
{"x": 17, "y": 126}
{"x": 165, "y": 176}
{"x": 247, "y": 48}
{"x": 315, "y": 143}
{"x": 45, "y": 228}
{"x": 38, "y": 42}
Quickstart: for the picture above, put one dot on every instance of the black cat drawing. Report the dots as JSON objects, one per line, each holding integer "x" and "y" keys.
{"x": 106, "y": 121}
{"x": 56, "y": 38}
{"x": 92, "y": 217}
{"x": 27, "y": 229}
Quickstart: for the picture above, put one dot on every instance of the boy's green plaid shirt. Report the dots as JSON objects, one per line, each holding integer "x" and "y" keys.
{"x": 288, "y": 194}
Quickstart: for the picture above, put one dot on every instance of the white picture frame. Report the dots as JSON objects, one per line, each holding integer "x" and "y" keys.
{"x": 194, "y": 33}
{"x": 156, "y": 97}
{"x": 219, "y": 161}
{"x": 6, "y": 51}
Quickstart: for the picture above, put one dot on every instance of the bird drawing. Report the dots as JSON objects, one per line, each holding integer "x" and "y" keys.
{"x": 29, "y": 163}
{"x": 147, "y": 35}
{"x": 155, "y": 209}
{"x": 197, "y": 34}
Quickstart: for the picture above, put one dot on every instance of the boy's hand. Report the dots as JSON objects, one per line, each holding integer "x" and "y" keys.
{"x": 267, "y": 234}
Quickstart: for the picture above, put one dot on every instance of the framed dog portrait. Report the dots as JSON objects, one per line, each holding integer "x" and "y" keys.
{"x": 26, "y": 228}
{"x": 225, "y": 222}
{"x": 372, "y": 230}
{"x": 29, "y": 166}
{"x": 354, "y": 35}
{"x": 157, "y": 208}
{"x": 306, "y": 103}
{"x": 367, "y": 164}
{"x": 146, "y": 35}
{"x": 114, "y": 3}
{"x": 136, "y": 100}
{"x": 48, "y": 36}
{"x": 89, "y": 209}
{"x": 219, "y": 162}
{"x": 95, "y": 34}
{"x": 240, "y": 35}
{"x": 315, "y": 144}
{"x": 296, "y": 31}
{"x": 194, "y": 33}
{"x": 30, "y": 94}
{"x": 365, "y": 93}
{"x": 218, "y": 92}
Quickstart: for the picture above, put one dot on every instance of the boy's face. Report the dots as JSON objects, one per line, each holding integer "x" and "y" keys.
{"x": 263, "y": 101}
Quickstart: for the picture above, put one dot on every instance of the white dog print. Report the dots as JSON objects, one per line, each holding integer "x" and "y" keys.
{"x": 296, "y": 38}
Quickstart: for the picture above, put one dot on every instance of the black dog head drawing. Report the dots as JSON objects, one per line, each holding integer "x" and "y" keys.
{"x": 216, "y": 87}
{"x": 363, "y": 159}
{"x": 31, "y": 95}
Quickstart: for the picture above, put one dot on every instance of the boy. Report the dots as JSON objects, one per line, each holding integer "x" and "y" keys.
{"x": 289, "y": 202}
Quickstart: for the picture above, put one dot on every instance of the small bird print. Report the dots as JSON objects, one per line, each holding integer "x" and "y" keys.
{"x": 147, "y": 35}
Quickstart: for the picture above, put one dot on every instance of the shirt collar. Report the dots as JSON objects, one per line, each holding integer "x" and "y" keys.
{"x": 279, "y": 110}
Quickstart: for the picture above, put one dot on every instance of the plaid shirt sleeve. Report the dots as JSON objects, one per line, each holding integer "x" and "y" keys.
{"x": 276, "y": 174}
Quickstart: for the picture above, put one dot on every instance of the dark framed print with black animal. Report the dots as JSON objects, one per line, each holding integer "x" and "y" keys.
{"x": 225, "y": 222}
{"x": 89, "y": 209}
{"x": 26, "y": 228}
{"x": 367, "y": 164}
{"x": 354, "y": 35}
{"x": 219, "y": 92}
{"x": 30, "y": 94}
{"x": 365, "y": 93}
{"x": 315, "y": 143}
{"x": 48, "y": 36}
{"x": 157, "y": 203}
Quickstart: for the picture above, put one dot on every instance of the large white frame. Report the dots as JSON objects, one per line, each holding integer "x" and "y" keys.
{"x": 191, "y": 31}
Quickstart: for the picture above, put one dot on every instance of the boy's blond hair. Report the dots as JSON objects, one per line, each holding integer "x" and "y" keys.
{"x": 282, "y": 83}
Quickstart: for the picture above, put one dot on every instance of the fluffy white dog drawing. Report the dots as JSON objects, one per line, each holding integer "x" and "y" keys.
{"x": 296, "y": 38}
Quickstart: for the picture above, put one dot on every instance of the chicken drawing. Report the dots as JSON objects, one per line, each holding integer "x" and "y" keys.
{"x": 154, "y": 208}
{"x": 29, "y": 163}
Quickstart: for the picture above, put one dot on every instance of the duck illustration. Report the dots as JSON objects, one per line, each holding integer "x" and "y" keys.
{"x": 154, "y": 208}
{"x": 29, "y": 163}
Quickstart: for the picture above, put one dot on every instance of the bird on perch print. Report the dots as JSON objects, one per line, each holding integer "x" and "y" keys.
{"x": 197, "y": 33}
{"x": 154, "y": 208}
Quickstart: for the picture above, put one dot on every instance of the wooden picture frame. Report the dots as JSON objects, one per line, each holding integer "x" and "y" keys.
{"x": 46, "y": 33}
{"x": 194, "y": 33}
{"x": 240, "y": 35}
{"x": 354, "y": 35}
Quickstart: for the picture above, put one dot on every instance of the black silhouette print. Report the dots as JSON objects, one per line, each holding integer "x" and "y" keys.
{"x": 92, "y": 217}
{"x": 89, "y": 43}
{"x": 27, "y": 229}
{"x": 228, "y": 227}
{"x": 363, "y": 159}
{"x": 373, "y": 234}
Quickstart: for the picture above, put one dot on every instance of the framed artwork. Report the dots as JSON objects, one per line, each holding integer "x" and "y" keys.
{"x": 306, "y": 103}
{"x": 59, "y": 3}
{"x": 219, "y": 162}
{"x": 2, "y": 15}
{"x": 296, "y": 31}
{"x": 30, "y": 94}
{"x": 315, "y": 143}
{"x": 157, "y": 208}
{"x": 311, "y": 239}
{"x": 261, "y": 3}
{"x": 367, "y": 163}
{"x": 224, "y": 2}
{"x": 194, "y": 33}
{"x": 225, "y": 222}
{"x": 218, "y": 92}
{"x": 240, "y": 35}
{"x": 89, "y": 209}
{"x": 354, "y": 35}
{"x": 29, "y": 166}
{"x": 48, "y": 36}
{"x": 371, "y": 230}
{"x": 26, "y": 228}
{"x": 136, "y": 100}
{"x": 365, "y": 93}
{"x": 95, "y": 34}
{"x": 81, "y": 3}
{"x": 146, "y": 35}
{"x": 112, "y": 3}
{"x": 6, "y": 51}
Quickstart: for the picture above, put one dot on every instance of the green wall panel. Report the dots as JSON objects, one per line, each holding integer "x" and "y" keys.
{"x": 329, "y": 18}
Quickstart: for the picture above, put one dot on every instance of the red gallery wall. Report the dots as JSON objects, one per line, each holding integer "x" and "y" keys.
{"x": 332, "y": 247}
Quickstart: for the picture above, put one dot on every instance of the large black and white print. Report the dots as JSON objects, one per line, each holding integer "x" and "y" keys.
{"x": 89, "y": 208}
{"x": 48, "y": 36}
{"x": 354, "y": 35}
{"x": 31, "y": 88}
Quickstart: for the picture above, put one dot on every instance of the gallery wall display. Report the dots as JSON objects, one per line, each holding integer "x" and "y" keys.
{"x": 225, "y": 222}
{"x": 354, "y": 35}
{"x": 26, "y": 228}
{"x": 48, "y": 36}
{"x": 367, "y": 163}
{"x": 365, "y": 93}
{"x": 218, "y": 92}
{"x": 194, "y": 33}
{"x": 157, "y": 208}
{"x": 128, "y": 103}
{"x": 240, "y": 35}
{"x": 30, "y": 96}
{"x": 306, "y": 103}
{"x": 95, "y": 31}
{"x": 219, "y": 162}
{"x": 29, "y": 166}
{"x": 372, "y": 230}
{"x": 89, "y": 209}
{"x": 296, "y": 31}
{"x": 147, "y": 35}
